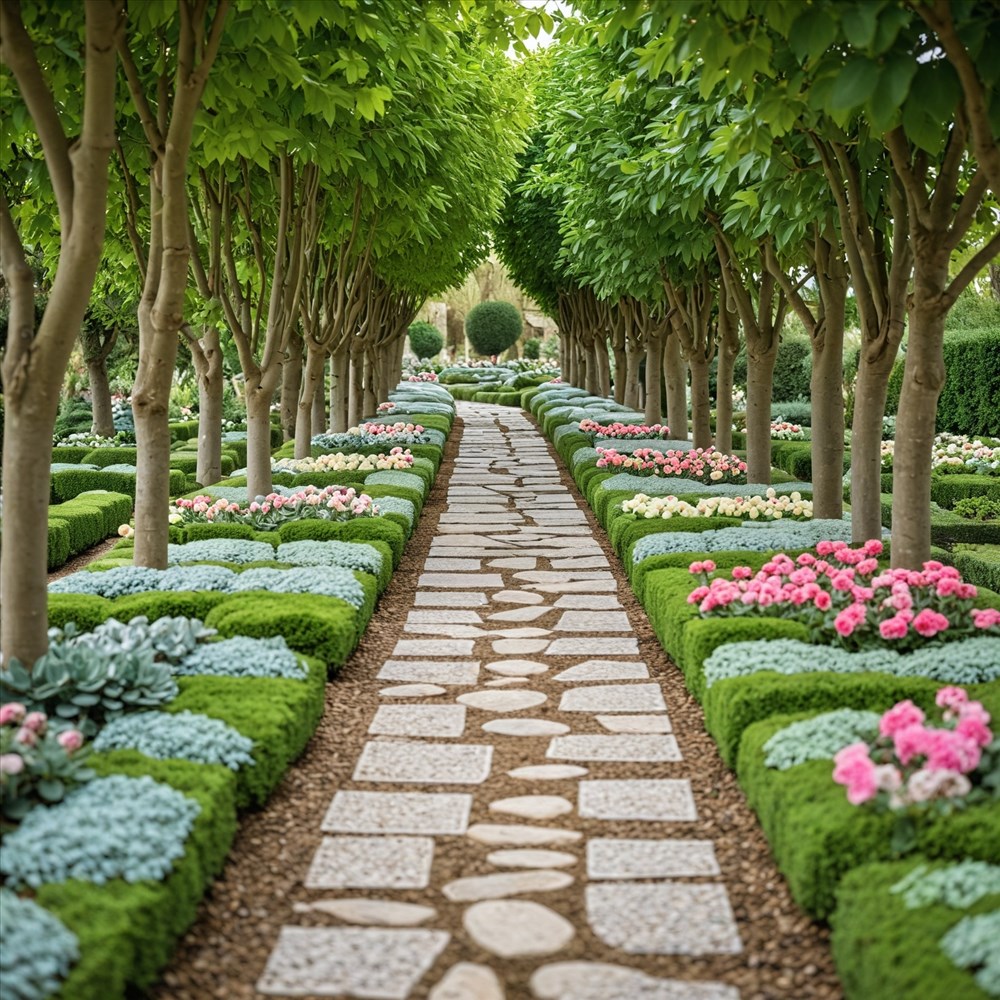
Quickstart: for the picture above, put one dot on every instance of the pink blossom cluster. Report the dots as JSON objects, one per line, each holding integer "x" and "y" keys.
{"x": 913, "y": 761}
{"x": 844, "y": 596}
{"x": 627, "y": 431}
{"x": 422, "y": 377}
{"x": 332, "y": 503}
{"x": 22, "y": 732}
{"x": 389, "y": 429}
{"x": 701, "y": 464}
{"x": 386, "y": 407}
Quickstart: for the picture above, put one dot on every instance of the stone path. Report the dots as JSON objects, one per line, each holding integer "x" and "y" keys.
{"x": 514, "y": 694}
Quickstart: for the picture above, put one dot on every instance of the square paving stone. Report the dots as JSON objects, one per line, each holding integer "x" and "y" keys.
{"x": 456, "y": 599}
{"x": 365, "y": 962}
{"x": 629, "y": 859}
{"x": 425, "y": 763}
{"x": 434, "y": 647}
{"x": 418, "y": 720}
{"x": 667, "y": 800}
{"x": 457, "y": 672}
{"x": 603, "y": 670}
{"x": 625, "y": 747}
{"x": 398, "y": 812}
{"x": 614, "y": 698}
{"x": 593, "y": 621}
{"x": 577, "y": 587}
{"x": 371, "y": 863}
{"x": 663, "y": 918}
{"x": 597, "y": 644}
{"x": 459, "y": 580}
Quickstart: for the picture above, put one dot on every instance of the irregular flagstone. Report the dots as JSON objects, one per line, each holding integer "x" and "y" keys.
{"x": 387, "y": 912}
{"x": 602, "y": 981}
{"x": 434, "y": 647}
{"x": 449, "y": 672}
{"x": 444, "y": 617}
{"x": 614, "y": 698}
{"x": 593, "y": 621}
{"x": 533, "y": 806}
{"x": 504, "y": 682}
{"x": 631, "y": 859}
{"x": 522, "y": 632}
{"x": 456, "y": 599}
{"x": 521, "y": 645}
{"x": 603, "y": 670}
{"x": 516, "y": 928}
{"x": 547, "y": 576}
{"x": 526, "y": 614}
{"x": 585, "y": 562}
{"x": 424, "y": 763}
{"x": 584, "y": 602}
{"x": 502, "y": 701}
{"x": 576, "y": 587}
{"x": 382, "y": 963}
{"x": 468, "y": 981}
{"x": 444, "y": 629}
{"x": 434, "y": 563}
{"x": 398, "y": 812}
{"x": 516, "y": 597}
{"x": 548, "y": 772}
{"x": 412, "y": 691}
{"x": 664, "y": 799}
{"x": 477, "y": 887}
{"x": 621, "y": 645}
{"x": 518, "y": 835}
{"x": 516, "y": 562}
{"x": 371, "y": 863}
{"x": 643, "y": 749}
{"x": 524, "y": 727}
{"x": 527, "y": 857}
{"x": 663, "y": 918}
{"x": 634, "y": 723}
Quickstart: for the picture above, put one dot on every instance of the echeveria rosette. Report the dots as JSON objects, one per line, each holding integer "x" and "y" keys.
{"x": 915, "y": 764}
{"x": 845, "y": 598}
{"x": 623, "y": 431}
{"x": 701, "y": 464}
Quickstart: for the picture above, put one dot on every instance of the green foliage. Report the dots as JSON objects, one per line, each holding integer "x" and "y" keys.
{"x": 359, "y": 530}
{"x": 819, "y": 737}
{"x": 792, "y": 370}
{"x": 38, "y": 950}
{"x": 968, "y": 402}
{"x": 979, "y": 564}
{"x": 492, "y": 327}
{"x": 971, "y": 945}
{"x": 978, "y": 508}
{"x": 948, "y": 488}
{"x": 69, "y": 483}
{"x": 84, "y": 521}
{"x": 533, "y": 348}
{"x": 426, "y": 340}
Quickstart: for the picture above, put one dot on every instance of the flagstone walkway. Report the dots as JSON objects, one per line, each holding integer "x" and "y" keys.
{"x": 521, "y": 791}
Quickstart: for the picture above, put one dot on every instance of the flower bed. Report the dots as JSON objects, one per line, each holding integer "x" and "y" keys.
{"x": 396, "y": 458}
{"x": 771, "y": 507}
{"x": 366, "y": 435}
{"x": 782, "y": 430}
{"x": 624, "y": 431}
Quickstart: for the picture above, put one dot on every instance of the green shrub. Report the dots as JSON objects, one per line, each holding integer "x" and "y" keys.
{"x": 323, "y": 627}
{"x": 532, "y": 348}
{"x": 361, "y": 529}
{"x": 69, "y": 483}
{"x": 492, "y": 327}
{"x": 949, "y": 488}
{"x": 425, "y": 339}
{"x": 978, "y": 508}
{"x": 979, "y": 564}
{"x": 968, "y": 402}
{"x": 69, "y": 453}
{"x": 111, "y": 456}
{"x": 58, "y": 549}
{"x": 884, "y": 949}
{"x": 949, "y": 528}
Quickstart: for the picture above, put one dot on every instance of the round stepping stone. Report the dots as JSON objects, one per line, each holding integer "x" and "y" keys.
{"x": 502, "y": 701}
{"x": 477, "y": 887}
{"x": 548, "y": 772}
{"x": 468, "y": 981}
{"x": 517, "y": 668}
{"x": 520, "y": 836}
{"x": 517, "y": 597}
{"x": 412, "y": 691}
{"x": 516, "y": 928}
{"x": 505, "y": 682}
{"x": 388, "y": 913}
{"x": 533, "y": 806}
{"x": 527, "y": 858}
{"x": 635, "y": 723}
{"x": 520, "y": 645}
{"x": 602, "y": 981}
{"x": 524, "y": 727}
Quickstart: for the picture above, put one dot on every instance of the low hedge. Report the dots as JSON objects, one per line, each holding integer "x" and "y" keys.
{"x": 127, "y": 932}
{"x": 70, "y": 453}
{"x": 948, "y": 488}
{"x": 361, "y": 529}
{"x": 91, "y": 517}
{"x": 626, "y": 531}
{"x": 70, "y": 483}
{"x": 979, "y": 564}
{"x": 884, "y": 949}
{"x": 817, "y": 836}
{"x": 948, "y": 528}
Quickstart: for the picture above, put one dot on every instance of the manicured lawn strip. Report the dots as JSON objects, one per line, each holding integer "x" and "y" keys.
{"x": 883, "y": 949}
{"x": 817, "y": 836}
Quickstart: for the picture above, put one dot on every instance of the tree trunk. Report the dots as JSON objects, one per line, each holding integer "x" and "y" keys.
{"x": 760, "y": 380}
{"x": 259, "y": 396}
{"x": 923, "y": 377}
{"x": 593, "y": 367}
{"x": 340, "y": 389}
{"x": 319, "y": 423}
{"x": 826, "y": 387}
{"x": 100, "y": 398}
{"x": 604, "y": 364}
{"x": 291, "y": 385}
{"x": 701, "y": 404}
{"x": 654, "y": 373}
{"x": 621, "y": 365}
{"x": 208, "y": 366}
{"x": 370, "y": 398}
{"x": 674, "y": 374}
{"x": 866, "y": 446}
{"x": 357, "y": 395}
{"x": 728, "y": 347}
{"x": 312, "y": 384}
{"x": 633, "y": 357}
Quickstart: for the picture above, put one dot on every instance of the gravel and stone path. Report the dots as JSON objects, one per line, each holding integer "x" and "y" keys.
{"x": 511, "y": 794}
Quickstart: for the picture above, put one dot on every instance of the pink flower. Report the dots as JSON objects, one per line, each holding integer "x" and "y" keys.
{"x": 35, "y": 721}
{"x": 13, "y": 711}
{"x": 951, "y": 697}
{"x": 70, "y": 740}
{"x": 985, "y": 618}
{"x": 742, "y": 572}
{"x": 845, "y": 622}
{"x": 26, "y": 737}
{"x": 893, "y": 628}
{"x": 910, "y": 742}
{"x": 854, "y": 768}
{"x": 900, "y": 716}
{"x": 925, "y": 785}
{"x": 928, "y": 623}
{"x": 974, "y": 730}
{"x": 11, "y": 763}
{"x": 822, "y": 601}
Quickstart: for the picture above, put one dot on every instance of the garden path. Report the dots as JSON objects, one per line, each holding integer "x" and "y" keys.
{"x": 522, "y": 819}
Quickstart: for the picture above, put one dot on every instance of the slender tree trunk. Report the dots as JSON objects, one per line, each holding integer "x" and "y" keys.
{"x": 100, "y": 398}
{"x": 312, "y": 383}
{"x": 621, "y": 366}
{"x": 208, "y": 367}
{"x": 728, "y": 347}
{"x": 319, "y": 422}
{"x": 370, "y": 399}
{"x": 593, "y": 367}
{"x": 654, "y": 373}
{"x": 259, "y": 396}
{"x": 760, "y": 381}
{"x": 291, "y": 385}
{"x": 604, "y": 364}
{"x": 357, "y": 396}
{"x": 674, "y": 374}
{"x": 826, "y": 389}
{"x": 701, "y": 404}
{"x": 633, "y": 357}
{"x": 866, "y": 445}
{"x": 340, "y": 389}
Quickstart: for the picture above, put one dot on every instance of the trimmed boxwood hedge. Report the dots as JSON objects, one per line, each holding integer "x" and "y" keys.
{"x": 361, "y": 529}
{"x": 979, "y": 565}
{"x": 70, "y": 483}
{"x": 950, "y": 487}
{"x": 947, "y": 527}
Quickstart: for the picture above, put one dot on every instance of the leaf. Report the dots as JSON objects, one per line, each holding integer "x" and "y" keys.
{"x": 51, "y": 789}
{"x": 859, "y": 23}
{"x": 812, "y": 34}
{"x": 628, "y": 167}
{"x": 854, "y": 86}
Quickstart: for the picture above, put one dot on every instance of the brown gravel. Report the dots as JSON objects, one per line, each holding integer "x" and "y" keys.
{"x": 786, "y": 955}
{"x": 97, "y": 551}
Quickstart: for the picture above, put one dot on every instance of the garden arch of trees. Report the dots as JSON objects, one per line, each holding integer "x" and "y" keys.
{"x": 668, "y": 180}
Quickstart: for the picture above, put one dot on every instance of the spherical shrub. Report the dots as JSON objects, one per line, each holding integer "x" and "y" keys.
{"x": 492, "y": 327}
{"x": 425, "y": 339}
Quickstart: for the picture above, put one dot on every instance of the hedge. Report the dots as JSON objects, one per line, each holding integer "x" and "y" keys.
{"x": 70, "y": 483}
{"x": 947, "y": 527}
{"x": 948, "y": 488}
{"x": 968, "y": 401}
{"x": 979, "y": 565}
{"x": 361, "y": 529}
{"x": 883, "y": 949}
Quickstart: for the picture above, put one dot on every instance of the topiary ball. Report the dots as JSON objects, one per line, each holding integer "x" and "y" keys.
{"x": 425, "y": 339}
{"x": 492, "y": 327}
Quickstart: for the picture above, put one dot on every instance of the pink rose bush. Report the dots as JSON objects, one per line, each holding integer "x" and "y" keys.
{"x": 422, "y": 377}
{"x": 332, "y": 503}
{"x": 624, "y": 431}
{"x": 914, "y": 761}
{"x": 702, "y": 464}
{"x": 843, "y": 596}
{"x": 386, "y": 407}
{"x": 37, "y": 764}
{"x": 782, "y": 430}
